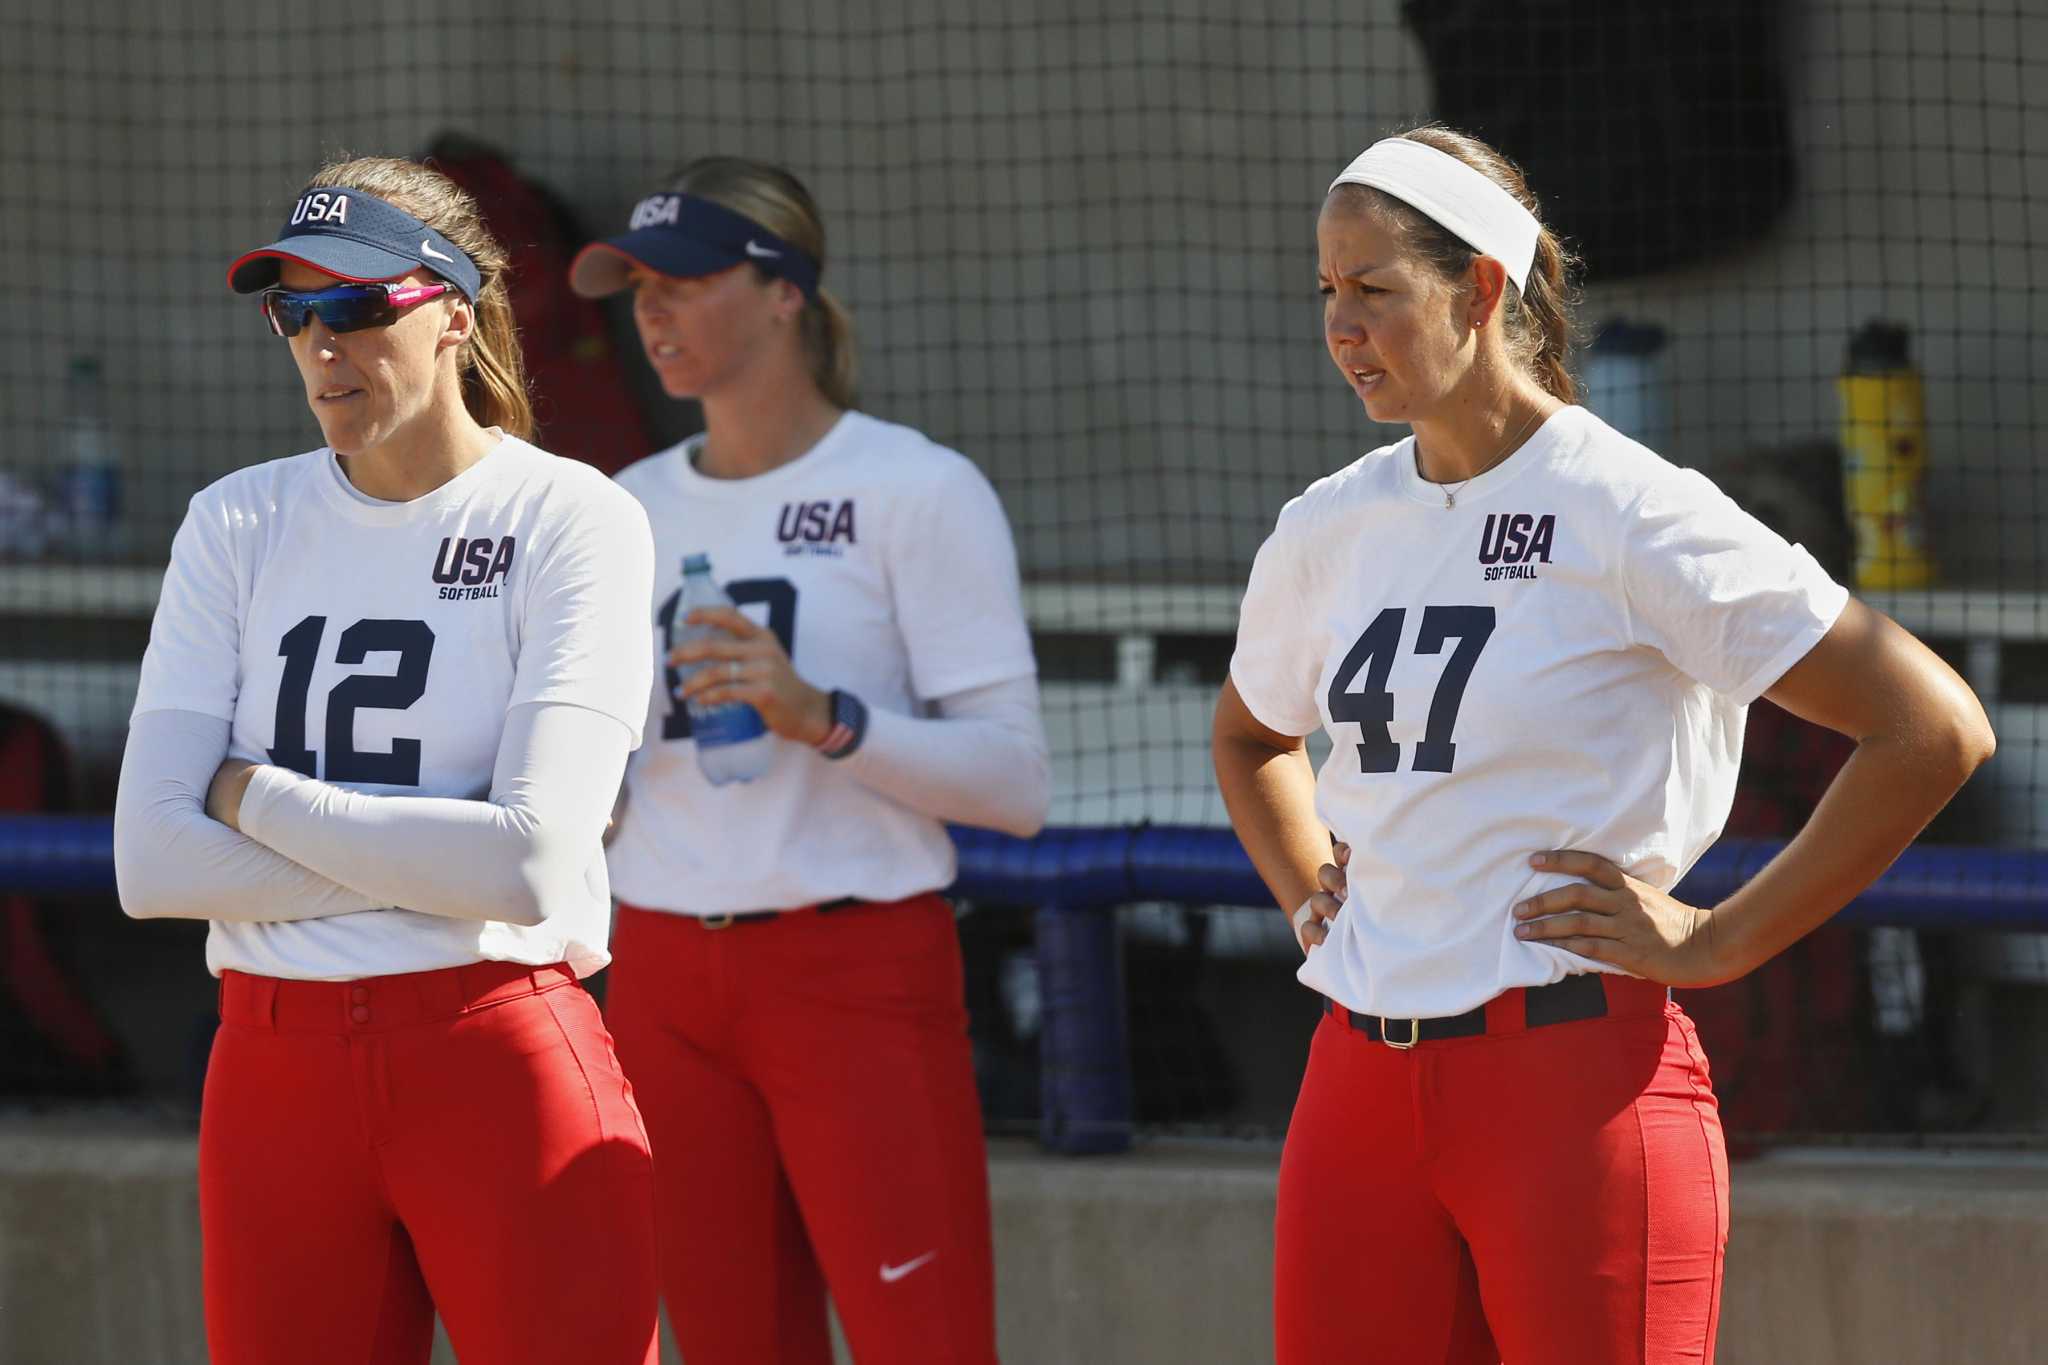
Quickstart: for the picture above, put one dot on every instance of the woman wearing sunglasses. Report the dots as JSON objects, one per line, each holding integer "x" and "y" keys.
{"x": 387, "y": 702}
{"x": 789, "y": 992}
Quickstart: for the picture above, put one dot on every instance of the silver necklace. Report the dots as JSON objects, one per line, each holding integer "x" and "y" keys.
{"x": 1451, "y": 491}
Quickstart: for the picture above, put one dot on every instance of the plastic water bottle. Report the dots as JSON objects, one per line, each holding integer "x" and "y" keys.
{"x": 89, "y": 482}
{"x": 1627, "y": 383}
{"x": 733, "y": 745}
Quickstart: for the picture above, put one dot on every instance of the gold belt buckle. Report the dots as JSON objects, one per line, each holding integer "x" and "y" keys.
{"x": 1414, "y": 1033}
{"x": 716, "y": 921}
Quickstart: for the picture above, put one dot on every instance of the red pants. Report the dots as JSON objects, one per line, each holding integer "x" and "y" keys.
{"x": 1554, "y": 1195}
{"x": 371, "y": 1151}
{"x": 810, "y": 1093}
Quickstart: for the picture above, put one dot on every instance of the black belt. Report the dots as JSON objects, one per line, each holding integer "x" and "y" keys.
{"x": 761, "y": 916}
{"x": 1560, "y": 1002}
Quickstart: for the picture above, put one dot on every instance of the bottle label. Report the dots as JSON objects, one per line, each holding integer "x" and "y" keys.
{"x": 92, "y": 495}
{"x": 1884, "y": 463}
{"x": 729, "y": 724}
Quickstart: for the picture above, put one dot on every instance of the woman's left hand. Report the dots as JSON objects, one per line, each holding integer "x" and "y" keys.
{"x": 1611, "y": 917}
{"x": 751, "y": 667}
{"x": 224, "y": 794}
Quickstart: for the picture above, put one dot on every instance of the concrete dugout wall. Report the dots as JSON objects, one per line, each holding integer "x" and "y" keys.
{"x": 1161, "y": 1257}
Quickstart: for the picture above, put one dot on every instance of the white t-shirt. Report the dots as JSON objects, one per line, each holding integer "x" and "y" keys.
{"x": 884, "y": 562}
{"x": 1562, "y": 660}
{"x": 378, "y": 646}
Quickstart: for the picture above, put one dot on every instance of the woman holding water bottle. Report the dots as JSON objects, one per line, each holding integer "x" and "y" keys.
{"x": 845, "y": 670}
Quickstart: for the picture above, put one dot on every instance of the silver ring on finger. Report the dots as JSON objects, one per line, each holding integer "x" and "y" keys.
{"x": 732, "y": 670}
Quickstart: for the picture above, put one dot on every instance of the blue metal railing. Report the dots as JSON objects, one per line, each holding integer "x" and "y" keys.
{"x": 1073, "y": 877}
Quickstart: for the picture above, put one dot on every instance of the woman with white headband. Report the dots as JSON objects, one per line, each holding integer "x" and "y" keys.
{"x": 1532, "y": 642}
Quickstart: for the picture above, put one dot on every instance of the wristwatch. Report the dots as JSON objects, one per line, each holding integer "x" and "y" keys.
{"x": 849, "y": 725}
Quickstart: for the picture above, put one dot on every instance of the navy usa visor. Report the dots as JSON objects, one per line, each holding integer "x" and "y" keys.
{"x": 685, "y": 236}
{"x": 356, "y": 237}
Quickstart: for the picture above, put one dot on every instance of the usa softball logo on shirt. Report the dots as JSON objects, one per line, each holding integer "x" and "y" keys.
{"x": 1513, "y": 543}
{"x": 815, "y": 528}
{"x": 470, "y": 567}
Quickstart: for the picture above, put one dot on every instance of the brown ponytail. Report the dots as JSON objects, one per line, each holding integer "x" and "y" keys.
{"x": 1539, "y": 319}
{"x": 493, "y": 369}
{"x": 778, "y": 201}
{"x": 1536, "y": 322}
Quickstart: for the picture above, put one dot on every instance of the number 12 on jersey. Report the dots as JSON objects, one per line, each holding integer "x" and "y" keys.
{"x": 411, "y": 641}
{"x": 1372, "y": 708}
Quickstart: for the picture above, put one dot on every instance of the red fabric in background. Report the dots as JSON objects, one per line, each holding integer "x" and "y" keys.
{"x": 33, "y": 779}
{"x": 581, "y": 398}
{"x": 1787, "y": 1042}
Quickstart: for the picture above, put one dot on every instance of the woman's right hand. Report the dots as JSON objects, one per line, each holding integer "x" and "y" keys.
{"x": 1311, "y": 921}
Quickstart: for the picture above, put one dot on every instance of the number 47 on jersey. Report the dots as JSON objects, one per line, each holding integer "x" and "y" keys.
{"x": 1372, "y": 707}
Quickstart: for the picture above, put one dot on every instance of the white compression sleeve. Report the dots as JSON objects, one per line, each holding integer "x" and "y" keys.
{"x": 512, "y": 857}
{"x": 173, "y": 862}
{"x": 982, "y": 761}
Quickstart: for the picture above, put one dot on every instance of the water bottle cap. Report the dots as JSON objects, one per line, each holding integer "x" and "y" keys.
{"x": 1619, "y": 336}
{"x": 1878, "y": 347}
{"x": 696, "y": 563}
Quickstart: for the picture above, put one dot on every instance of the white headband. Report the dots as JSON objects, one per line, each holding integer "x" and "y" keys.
{"x": 1471, "y": 207}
